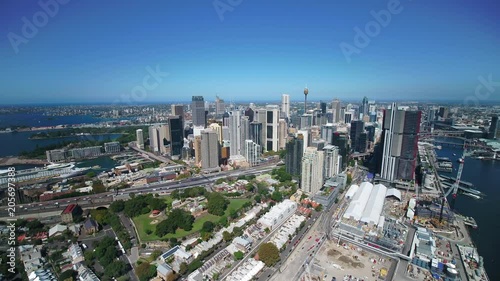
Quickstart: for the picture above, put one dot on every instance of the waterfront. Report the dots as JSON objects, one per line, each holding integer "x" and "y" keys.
{"x": 485, "y": 176}
{"x": 40, "y": 120}
{"x": 15, "y": 143}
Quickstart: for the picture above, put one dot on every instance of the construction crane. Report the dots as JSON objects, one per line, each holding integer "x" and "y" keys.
{"x": 454, "y": 188}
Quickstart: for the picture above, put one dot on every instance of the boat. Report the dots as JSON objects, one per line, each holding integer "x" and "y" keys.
{"x": 472, "y": 195}
{"x": 460, "y": 160}
{"x": 454, "y": 154}
{"x": 62, "y": 170}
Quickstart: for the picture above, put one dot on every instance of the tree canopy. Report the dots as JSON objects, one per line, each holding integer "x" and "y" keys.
{"x": 217, "y": 204}
{"x": 178, "y": 218}
{"x": 269, "y": 254}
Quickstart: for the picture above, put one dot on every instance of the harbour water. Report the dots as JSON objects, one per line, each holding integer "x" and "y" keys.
{"x": 14, "y": 143}
{"x": 485, "y": 175}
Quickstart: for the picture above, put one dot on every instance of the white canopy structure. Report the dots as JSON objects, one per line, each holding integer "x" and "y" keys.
{"x": 367, "y": 203}
{"x": 359, "y": 201}
{"x": 352, "y": 190}
{"x": 373, "y": 208}
{"x": 393, "y": 192}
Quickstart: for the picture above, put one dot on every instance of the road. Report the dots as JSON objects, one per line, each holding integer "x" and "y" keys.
{"x": 102, "y": 199}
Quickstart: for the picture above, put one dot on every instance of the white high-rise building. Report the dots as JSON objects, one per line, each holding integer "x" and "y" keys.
{"x": 331, "y": 165}
{"x": 244, "y": 131}
{"x": 156, "y": 135}
{"x": 272, "y": 116}
{"x": 283, "y": 134}
{"x": 285, "y": 105}
{"x": 139, "y": 138}
{"x": 252, "y": 152}
{"x": 312, "y": 170}
{"x": 327, "y": 131}
{"x": 217, "y": 128}
{"x": 235, "y": 134}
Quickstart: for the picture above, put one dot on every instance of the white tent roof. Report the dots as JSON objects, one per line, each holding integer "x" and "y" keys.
{"x": 393, "y": 192}
{"x": 352, "y": 190}
{"x": 373, "y": 208}
{"x": 359, "y": 201}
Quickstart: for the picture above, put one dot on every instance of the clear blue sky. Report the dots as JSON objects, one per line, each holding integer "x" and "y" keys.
{"x": 96, "y": 51}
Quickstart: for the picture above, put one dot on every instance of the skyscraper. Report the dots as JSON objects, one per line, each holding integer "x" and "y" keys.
{"x": 154, "y": 138}
{"x": 492, "y": 132}
{"x": 312, "y": 170}
{"x": 256, "y": 132}
{"x": 140, "y": 138}
{"x": 252, "y": 152}
{"x": 331, "y": 165}
{"x": 178, "y": 110}
{"x": 209, "y": 149}
{"x": 341, "y": 141}
{"x": 272, "y": 118}
{"x": 285, "y": 105}
{"x": 197, "y": 150}
{"x": 218, "y": 129}
{"x": 327, "y": 131}
{"x": 294, "y": 153}
{"x": 283, "y": 134}
{"x": 176, "y": 136}
{"x": 244, "y": 131}
{"x": 198, "y": 111}
{"x": 220, "y": 107}
{"x": 357, "y": 127}
{"x": 400, "y": 138}
{"x": 336, "y": 111}
{"x": 235, "y": 133}
{"x": 364, "y": 109}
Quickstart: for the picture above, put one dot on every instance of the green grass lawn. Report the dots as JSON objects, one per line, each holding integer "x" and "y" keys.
{"x": 143, "y": 222}
{"x": 235, "y": 204}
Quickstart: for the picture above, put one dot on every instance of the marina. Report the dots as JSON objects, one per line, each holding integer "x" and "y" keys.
{"x": 49, "y": 171}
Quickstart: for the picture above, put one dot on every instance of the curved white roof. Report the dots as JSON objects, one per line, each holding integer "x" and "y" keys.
{"x": 359, "y": 201}
{"x": 373, "y": 209}
{"x": 352, "y": 190}
{"x": 393, "y": 192}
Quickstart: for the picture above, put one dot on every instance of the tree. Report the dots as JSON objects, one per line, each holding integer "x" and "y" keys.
{"x": 183, "y": 268}
{"x": 217, "y": 204}
{"x": 223, "y": 221}
{"x": 257, "y": 198}
{"x": 238, "y": 255}
{"x": 227, "y": 236}
{"x": 233, "y": 213}
{"x": 145, "y": 271}
{"x": 208, "y": 226}
{"x": 155, "y": 254}
{"x": 116, "y": 268}
{"x": 117, "y": 206}
{"x": 349, "y": 179}
{"x": 319, "y": 208}
{"x": 269, "y": 254}
{"x": 70, "y": 273}
{"x": 277, "y": 196}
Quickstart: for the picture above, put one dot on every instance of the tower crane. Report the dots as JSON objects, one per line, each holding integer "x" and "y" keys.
{"x": 454, "y": 188}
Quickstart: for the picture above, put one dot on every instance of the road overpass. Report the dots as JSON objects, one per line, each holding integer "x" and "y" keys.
{"x": 104, "y": 199}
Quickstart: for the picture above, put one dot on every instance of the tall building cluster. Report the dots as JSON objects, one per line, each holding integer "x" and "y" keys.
{"x": 399, "y": 141}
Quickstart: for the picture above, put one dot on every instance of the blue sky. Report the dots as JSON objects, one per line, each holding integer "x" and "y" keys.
{"x": 98, "y": 51}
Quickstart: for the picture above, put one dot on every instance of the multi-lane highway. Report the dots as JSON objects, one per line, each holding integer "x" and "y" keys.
{"x": 103, "y": 199}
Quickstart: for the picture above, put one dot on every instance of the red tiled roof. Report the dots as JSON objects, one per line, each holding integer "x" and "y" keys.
{"x": 69, "y": 209}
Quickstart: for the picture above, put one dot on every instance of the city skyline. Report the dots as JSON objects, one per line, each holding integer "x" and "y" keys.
{"x": 250, "y": 52}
